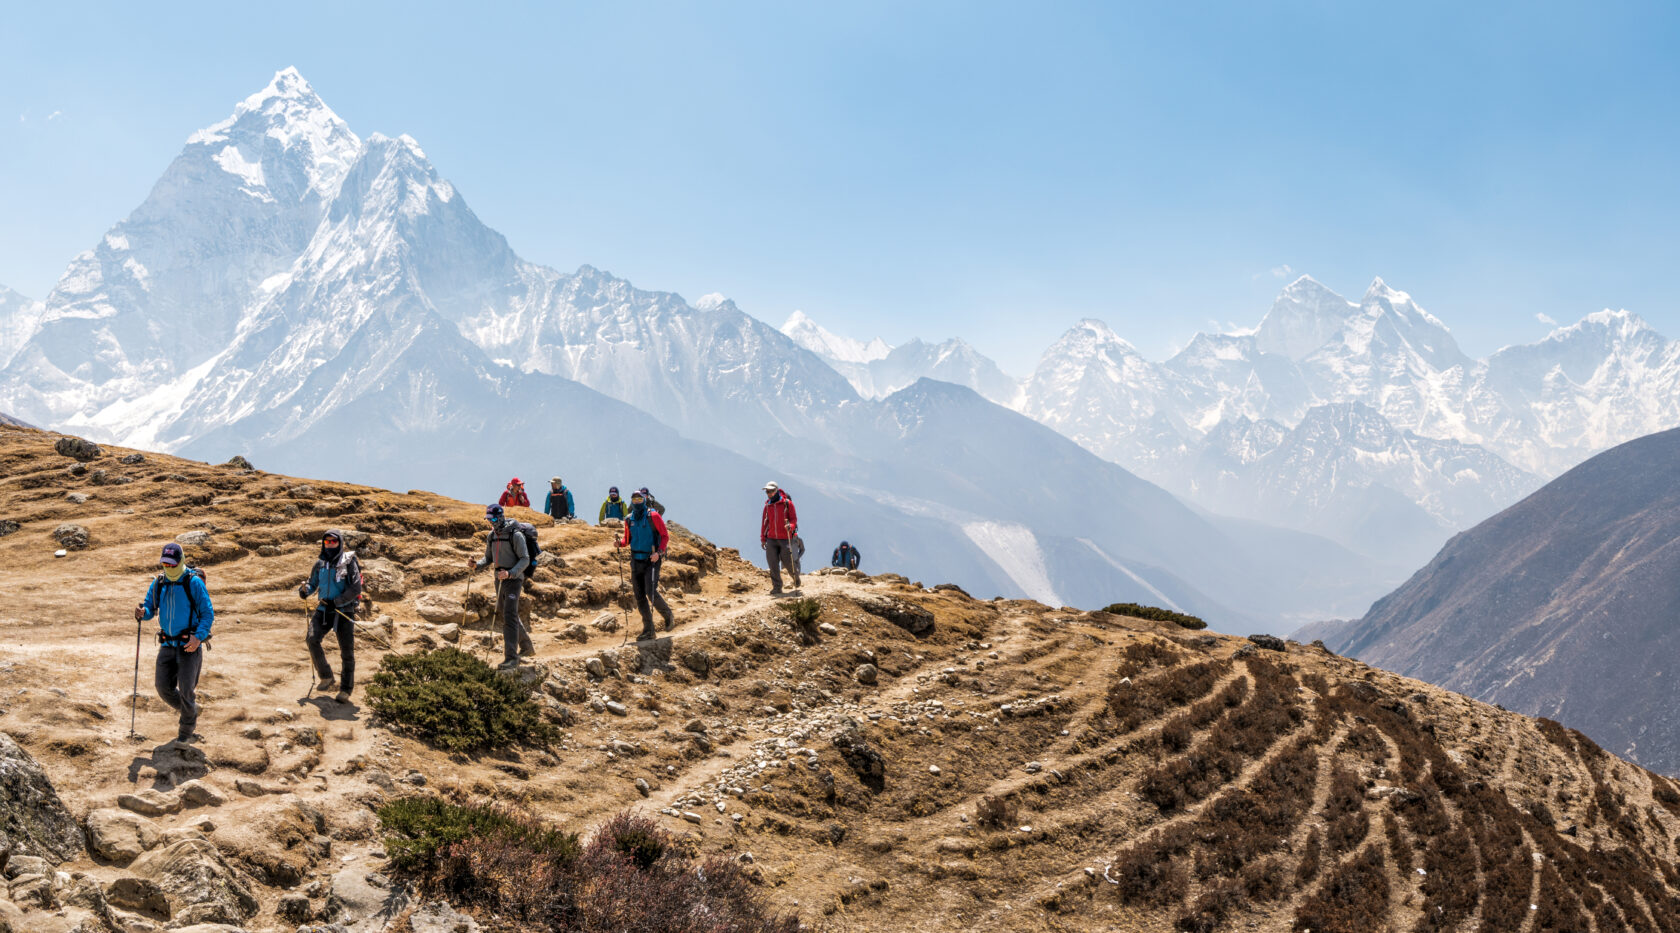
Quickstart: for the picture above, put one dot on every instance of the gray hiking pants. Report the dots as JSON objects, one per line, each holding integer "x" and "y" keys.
{"x": 177, "y": 682}
{"x": 514, "y": 636}
{"x": 778, "y": 552}
{"x": 644, "y": 583}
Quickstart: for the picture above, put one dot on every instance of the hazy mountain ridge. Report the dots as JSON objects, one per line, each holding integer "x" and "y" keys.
{"x": 1560, "y": 606}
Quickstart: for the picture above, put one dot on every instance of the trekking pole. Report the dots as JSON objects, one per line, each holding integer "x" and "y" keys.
{"x": 134, "y": 695}
{"x": 466, "y": 596}
{"x": 621, "y": 610}
{"x": 308, "y": 617}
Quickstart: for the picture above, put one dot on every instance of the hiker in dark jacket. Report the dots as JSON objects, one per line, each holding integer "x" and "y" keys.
{"x": 845, "y": 556}
{"x": 514, "y": 494}
{"x": 506, "y": 551}
{"x": 647, "y": 538}
{"x": 336, "y": 581}
{"x": 776, "y": 531}
{"x": 559, "y": 504}
{"x": 180, "y": 602}
{"x": 613, "y": 507}
{"x": 652, "y": 503}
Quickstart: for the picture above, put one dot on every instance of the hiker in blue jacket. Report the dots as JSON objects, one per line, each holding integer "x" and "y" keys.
{"x": 181, "y": 604}
{"x": 336, "y": 581}
{"x": 559, "y": 504}
{"x": 845, "y": 556}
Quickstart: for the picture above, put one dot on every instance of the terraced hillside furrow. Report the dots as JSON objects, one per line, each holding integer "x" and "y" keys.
{"x": 910, "y": 759}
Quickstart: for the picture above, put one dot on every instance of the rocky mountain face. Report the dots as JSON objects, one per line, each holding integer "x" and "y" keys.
{"x": 1561, "y": 606}
{"x": 19, "y": 316}
{"x": 914, "y": 758}
{"x": 376, "y": 316}
{"x": 877, "y": 370}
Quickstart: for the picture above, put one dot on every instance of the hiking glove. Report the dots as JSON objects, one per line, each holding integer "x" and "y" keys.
{"x": 303, "y": 591}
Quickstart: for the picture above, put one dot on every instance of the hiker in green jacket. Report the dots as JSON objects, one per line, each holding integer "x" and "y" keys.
{"x": 614, "y": 508}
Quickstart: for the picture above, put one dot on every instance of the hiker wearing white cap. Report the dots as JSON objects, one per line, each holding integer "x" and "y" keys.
{"x": 776, "y": 532}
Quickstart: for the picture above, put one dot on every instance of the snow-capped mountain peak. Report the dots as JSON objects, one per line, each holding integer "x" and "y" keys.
{"x": 1305, "y": 316}
{"x": 287, "y": 116}
{"x": 829, "y": 345}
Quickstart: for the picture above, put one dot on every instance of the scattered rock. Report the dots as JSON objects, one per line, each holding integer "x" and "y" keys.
{"x": 1033, "y": 767}
{"x": 697, "y": 661}
{"x": 131, "y": 459}
{"x": 8, "y": 527}
{"x": 141, "y": 895}
{"x": 33, "y": 891}
{"x": 654, "y": 656}
{"x": 33, "y": 821}
{"x": 71, "y": 536}
{"x": 251, "y": 788}
{"x": 77, "y": 498}
{"x": 576, "y": 632}
{"x": 617, "y": 709}
{"x": 19, "y": 865}
{"x": 150, "y": 803}
{"x": 694, "y": 725}
{"x": 239, "y": 462}
{"x": 642, "y": 787}
{"x": 867, "y": 674}
{"x": 359, "y": 894}
{"x": 193, "y": 538}
{"x": 294, "y": 908}
{"x": 606, "y": 622}
{"x": 827, "y": 628}
{"x": 198, "y": 882}
{"x": 269, "y": 550}
{"x": 1268, "y": 642}
{"x": 437, "y": 608}
{"x": 863, "y": 758}
{"x": 450, "y": 633}
{"x": 594, "y": 668}
{"x": 120, "y": 836}
{"x": 78, "y": 448}
{"x": 692, "y": 817}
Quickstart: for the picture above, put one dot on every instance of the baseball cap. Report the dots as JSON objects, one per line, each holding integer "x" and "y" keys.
{"x": 171, "y": 554}
{"x": 771, "y": 486}
{"x": 493, "y": 512}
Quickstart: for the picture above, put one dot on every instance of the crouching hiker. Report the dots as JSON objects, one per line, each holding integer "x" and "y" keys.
{"x": 845, "y": 557}
{"x": 336, "y": 580}
{"x": 179, "y": 600}
{"x": 509, "y": 553}
{"x": 647, "y": 538}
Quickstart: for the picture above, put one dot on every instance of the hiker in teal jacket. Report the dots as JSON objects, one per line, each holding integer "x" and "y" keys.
{"x": 613, "y": 507}
{"x": 181, "y": 604}
{"x": 559, "y": 504}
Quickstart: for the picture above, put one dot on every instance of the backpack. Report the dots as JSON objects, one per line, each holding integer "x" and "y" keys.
{"x": 533, "y": 550}
{"x": 162, "y": 580}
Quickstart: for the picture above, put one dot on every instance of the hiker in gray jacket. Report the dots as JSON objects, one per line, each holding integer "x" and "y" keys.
{"x": 506, "y": 551}
{"x": 336, "y": 581}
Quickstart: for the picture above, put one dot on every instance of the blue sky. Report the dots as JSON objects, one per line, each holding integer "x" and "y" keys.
{"x": 926, "y": 169}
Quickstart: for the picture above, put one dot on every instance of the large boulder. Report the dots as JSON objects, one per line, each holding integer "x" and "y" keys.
{"x": 365, "y": 901}
{"x": 78, "y": 448}
{"x": 911, "y": 618}
{"x": 33, "y": 821}
{"x": 71, "y": 536}
{"x": 120, "y": 836}
{"x": 438, "y": 608}
{"x": 198, "y": 882}
{"x": 383, "y": 580}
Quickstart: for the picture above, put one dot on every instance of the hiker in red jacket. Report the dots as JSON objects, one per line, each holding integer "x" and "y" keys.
{"x": 514, "y": 494}
{"x": 776, "y": 532}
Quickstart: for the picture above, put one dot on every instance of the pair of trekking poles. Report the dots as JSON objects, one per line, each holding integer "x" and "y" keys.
{"x": 309, "y": 621}
{"x": 495, "y": 611}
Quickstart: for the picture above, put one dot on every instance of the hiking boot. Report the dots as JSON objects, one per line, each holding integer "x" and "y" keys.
{"x": 508, "y": 664}
{"x": 326, "y": 686}
{"x": 526, "y": 649}
{"x": 796, "y": 581}
{"x": 670, "y": 621}
{"x": 187, "y": 736}
{"x": 647, "y": 634}
{"x": 776, "y": 592}
{"x": 343, "y": 696}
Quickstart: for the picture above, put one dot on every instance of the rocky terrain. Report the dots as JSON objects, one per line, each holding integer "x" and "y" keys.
{"x": 913, "y": 759}
{"x": 1563, "y": 605}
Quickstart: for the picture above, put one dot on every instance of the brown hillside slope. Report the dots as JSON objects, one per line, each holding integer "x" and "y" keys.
{"x": 1041, "y": 769}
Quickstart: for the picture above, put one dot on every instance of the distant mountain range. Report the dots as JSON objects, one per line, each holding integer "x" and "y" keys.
{"x": 1564, "y": 605}
{"x": 294, "y": 292}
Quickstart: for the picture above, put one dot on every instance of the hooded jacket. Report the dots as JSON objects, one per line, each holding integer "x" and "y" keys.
{"x": 182, "y": 607}
{"x": 613, "y": 508}
{"x": 778, "y": 514}
{"x": 845, "y": 556}
{"x": 644, "y": 534}
{"x": 337, "y": 575}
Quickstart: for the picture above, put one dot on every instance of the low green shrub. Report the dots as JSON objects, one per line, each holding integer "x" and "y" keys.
{"x": 1155, "y": 614}
{"x": 422, "y": 829}
{"x": 452, "y": 700}
{"x": 803, "y": 612}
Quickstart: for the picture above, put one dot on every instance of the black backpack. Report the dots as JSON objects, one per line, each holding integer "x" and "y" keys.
{"x": 192, "y": 611}
{"x": 532, "y": 548}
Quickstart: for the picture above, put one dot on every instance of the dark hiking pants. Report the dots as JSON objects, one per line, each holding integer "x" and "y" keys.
{"x": 327, "y": 618}
{"x": 644, "y": 582}
{"x": 514, "y": 636}
{"x": 778, "y": 552}
{"x": 177, "y": 682}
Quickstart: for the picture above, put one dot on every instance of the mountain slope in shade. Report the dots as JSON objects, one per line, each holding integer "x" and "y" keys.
{"x": 1563, "y": 605}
